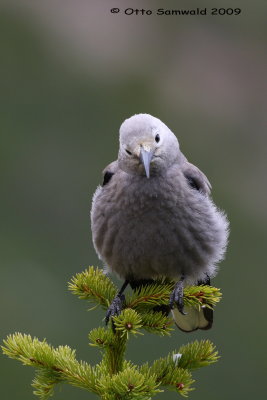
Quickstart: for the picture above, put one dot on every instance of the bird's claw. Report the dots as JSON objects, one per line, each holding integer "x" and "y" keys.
{"x": 177, "y": 297}
{"x": 115, "y": 307}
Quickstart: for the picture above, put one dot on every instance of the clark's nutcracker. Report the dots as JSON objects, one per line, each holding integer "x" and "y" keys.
{"x": 153, "y": 217}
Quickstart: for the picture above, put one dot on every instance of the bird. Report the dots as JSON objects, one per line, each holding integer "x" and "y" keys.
{"x": 153, "y": 217}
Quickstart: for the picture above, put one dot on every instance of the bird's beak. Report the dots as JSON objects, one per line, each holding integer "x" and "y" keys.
{"x": 146, "y": 156}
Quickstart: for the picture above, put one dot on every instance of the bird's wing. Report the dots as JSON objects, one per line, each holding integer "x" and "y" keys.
{"x": 109, "y": 171}
{"x": 194, "y": 319}
{"x": 196, "y": 178}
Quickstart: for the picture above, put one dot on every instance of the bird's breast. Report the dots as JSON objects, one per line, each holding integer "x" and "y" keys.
{"x": 149, "y": 227}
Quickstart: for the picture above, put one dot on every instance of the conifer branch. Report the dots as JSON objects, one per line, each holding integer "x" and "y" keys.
{"x": 93, "y": 285}
{"x": 114, "y": 378}
{"x": 169, "y": 374}
{"x": 149, "y": 296}
{"x": 197, "y": 296}
{"x": 158, "y": 323}
{"x": 129, "y": 384}
{"x": 128, "y": 322}
{"x": 53, "y": 365}
{"x": 197, "y": 354}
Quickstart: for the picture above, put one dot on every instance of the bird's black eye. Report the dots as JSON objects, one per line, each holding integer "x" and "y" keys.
{"x": 157, "y": 138}
{"x": 128, "y": 152}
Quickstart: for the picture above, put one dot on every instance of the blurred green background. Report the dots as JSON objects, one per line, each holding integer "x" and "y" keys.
{"x": 71, "y": 72}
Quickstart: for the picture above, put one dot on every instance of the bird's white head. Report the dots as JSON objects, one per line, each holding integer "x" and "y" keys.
{"x": 147, "y": 146}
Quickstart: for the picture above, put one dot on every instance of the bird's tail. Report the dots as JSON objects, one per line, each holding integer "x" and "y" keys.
{"x": 194, "y": 319}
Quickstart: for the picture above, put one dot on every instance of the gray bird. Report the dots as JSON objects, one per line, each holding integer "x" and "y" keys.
{"x": 153, "y": 217}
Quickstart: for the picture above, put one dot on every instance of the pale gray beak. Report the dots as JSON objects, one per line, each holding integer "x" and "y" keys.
{"x": 146, "y": 157}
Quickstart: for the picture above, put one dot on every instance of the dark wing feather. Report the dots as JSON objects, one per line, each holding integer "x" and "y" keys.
{"x": 108, "y": 175}
{"x": 196, "y": 179}
{"x": 109, "y": 171}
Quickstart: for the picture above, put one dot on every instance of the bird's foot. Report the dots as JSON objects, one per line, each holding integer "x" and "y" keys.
{"x": 115, "y": 307}
{"x": 177, "y": 296}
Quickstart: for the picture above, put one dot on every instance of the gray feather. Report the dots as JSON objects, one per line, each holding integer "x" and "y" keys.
{"x": 162, "y": 226}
